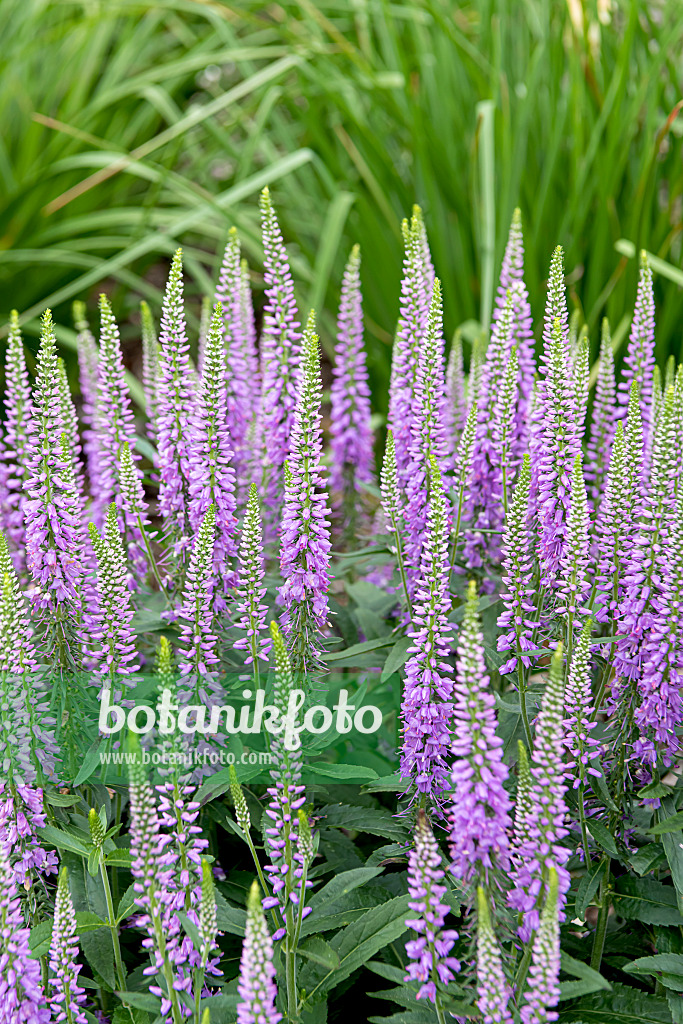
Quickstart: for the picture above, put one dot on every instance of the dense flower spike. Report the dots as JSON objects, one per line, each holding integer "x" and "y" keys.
{"x": 241, "y": 360}
{"x": 520, "y": 615}
{"x": 428, "y": 689}
{"x": 455, "y": 408}
{"x": 502, "y": 433}
{"x": 150, "y": 366}
{"x": 660, "y": 712}
{"x": 602, "y": 422}
{"x": 412, "y": 323}
{"x": 21, "y": 815}
{"x": 21, "y": 995}
{"x": 428, "y": 433}
{"x": 351, "y": 434}
{"x": 280, "y": 353}
{"x": 558, "y": 446}
{"x": 579, "y": 710}
{"x": 67, "y": 996}
{"x": 17, "y": 442}
{"x": 250, "y": 590}
{"x": 639, "y": 359}
{"x": 114, "y": 415}
{"x": 53, "y": 524}
{"x": 580, "y": 372}
{"x": 212, "y": 476}
{"x": 198, "y": 682}
{"x": 512, "y": 278}
{"x": 431, "y": 964}
{"x": 174, "y": 402}
{"x": 543, "y": 988}
{"x": 287, "y": 797}
{"x": 614, "y": 530}
{"x": 480, "y": 811}
{"x": 27, "y": 743}
{"x": 88, "y": 365}
{"x": 256, "y": 985}
{"x": 494, "y": 994}
{"x": 304, "y": 532}
{"x": 543, "y": 828}
{"x": 73, "y": 440}
{"x": 573, "y": 584}
{"x": 556, "y": 306}
{"x": 114, "y": 651}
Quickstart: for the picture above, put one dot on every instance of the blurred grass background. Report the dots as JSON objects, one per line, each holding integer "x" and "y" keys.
{"x": 129, "y": 128}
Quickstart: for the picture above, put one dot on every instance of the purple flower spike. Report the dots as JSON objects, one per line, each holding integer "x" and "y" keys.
{"x": 250, "y": 590}
{"x": 480, "y": 810}
{"x": 174, "y": 402}
{"x": 431, "y": 965}
{"x": 88, "y": 365}
{"x": 494, "y": 994}
{"x": 428, "y": 433}
{"x": 305, "y": 530}
{"x": 573, "y": 585}
{"x": 520, "y": 617}
{"x": 426, "y": 708}
{"x": 543, "y": 987}
{"x": 559, "y": 446}
{"x": 22, "y": 1000}
{"x": 17, "y": 443}
{"x": 602, "y": 424}
{"x": 242, "y": 379}
{"x": 351, "y": 434}
{"x": 54, "y": 532}
{"x": 615, "y": 531}
{"x": 639, "y": 359}
{"x": 455, "y": 409}
{"x": 581, "y": 746}
{"x": 67, "y": 996}
{"x": 280, "y": 353}
{"x": 412, "y": 323}
{"x": 256, "y": 984}
{"x": 538, "y": 833}
{"x": 21, "y": 815}
{"x": 198, "y": 683}
{"x": 212, "y": 476}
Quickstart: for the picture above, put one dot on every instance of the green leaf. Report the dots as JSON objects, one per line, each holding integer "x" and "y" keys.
{"x": 99, "y": 952}
{"x": 591, "y": 981}
{"x": 91, "y": 761}
{"x": 387, "y": 784}
{"x": 340, "y": 885}
{"x": 603, "y": 837}
{"x": 623, "y": 1005}
{"x": 670, "y": 963}
{"x": 588, "y": 886}
{"x": 646, "y": 900}
{"x": 222, "y": 1008}
{"x": 126, "y": 904}
{"x": 358, "y": 942}
{"x": 141, "y": 1001}
{"x": 62, "y": 840}
{"x": 347, "y": 657}
{"x": 119, "y": 858}
{"x": 320, "y": 952}
{"x": 230, "y": 919}
{"x": 672, "y": 824}
{"x": 342, "y": 772}
{"x": 363, "y": 819}
{"x": 396, "y": 658}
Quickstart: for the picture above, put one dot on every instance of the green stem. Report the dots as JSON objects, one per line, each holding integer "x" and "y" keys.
{"x": 401, "y": 565}
{"x": 118, "y": 960}
{"x": 290, "y": 969}
{"x": 456, "y": 532}
{"x": 601, "y": 926}
{"x": 582, "y": 822}
{"x": 522, "y": 972}
{"x": 150, "y": 558}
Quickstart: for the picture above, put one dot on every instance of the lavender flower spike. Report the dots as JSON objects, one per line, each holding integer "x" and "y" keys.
{"x": 250, "y": 590}
{"x": 493, "y": 991}
{"x": 412, "y": 323}
{"x": 256, "y": 984}
{"x": 426, "y": 707}
{"x": 18, "y": 432}
{"x": 455, "y": 409}
{"x": 538, "y": 837}
{"x": 305, "y": 532}
{"x": 53, "y": 523}
{"x": 88, "y": 365}
{"x": 174, "y": 402}
{"x": 242, "y": 378}
{"x": 212, "y": 477}
{"x": 614, "y": 531}
{"x": 67, "y": 997}
{"x": 351, "y": 434}
{"x": 639, "y": 359}
{"x": 431, "y": 964}
{"x": 479, "y": 816}
{"x": 22, "y": 1000}
{"x": 280, "y": 352}
{"x": 602, "y": 423}
{"x": 520, "y": 617}
{"x": 578, "y": 703}
{"x": 198, "y": 682}
{"x": 543, "y": 988}
{"x": 573, "y": 584}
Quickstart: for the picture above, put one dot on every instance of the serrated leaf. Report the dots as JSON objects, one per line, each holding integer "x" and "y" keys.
{"x": 588, "y": 886}
{"x": 230, "y": 919}
{"x": 126, "y": 904}
{"x": 119, "y": 858}
{"x": 387, "y": 784}
{"x": 623, "y": 1005}
{"x": 342, "y": 772}
{"x": 99, "y": 952}
{"x": 603, "y": 837}
{"x": 672, "y": 824}
{"x": 367, "y": 647}
{"x": 671, "y": 963}
{"x": 363, "y": 819}
{"x": 91, "y": 761}
{"x": 62, "y": 840}
{"x": 141, "y": 1001}
{"x": 590, "y": 980}
{"x": 646, "y": 900}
